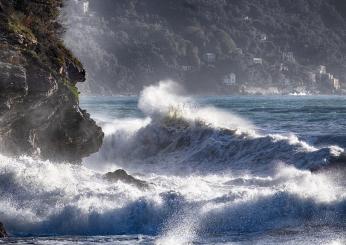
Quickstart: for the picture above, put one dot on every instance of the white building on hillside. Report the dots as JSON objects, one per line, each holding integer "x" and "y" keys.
{"x": 263, "y": 37}
{"x": 258, "y": 61}
{"x": 210, "y": 57}
{"x": 186, "y": 68}
{"x": 336, "y": 84}
{"x": 230, "y": 79}
{"x": 283, "y": 67}
{"x": 85, "y": 7}
{"x": 288, "y": 56}
{"x": 323, "y": 70}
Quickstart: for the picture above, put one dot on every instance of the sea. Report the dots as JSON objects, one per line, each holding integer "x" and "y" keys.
{"x": 219, "y": 170}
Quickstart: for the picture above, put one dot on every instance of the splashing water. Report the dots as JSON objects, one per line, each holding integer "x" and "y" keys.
{"x": 166, "y": 99}
{"x": 212, "y": 176}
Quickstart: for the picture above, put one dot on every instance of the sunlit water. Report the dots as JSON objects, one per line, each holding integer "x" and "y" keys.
{"x": 221, "y": 170}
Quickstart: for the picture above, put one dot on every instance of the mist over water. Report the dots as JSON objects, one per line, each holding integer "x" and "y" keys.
{"x": 219, "y": 170}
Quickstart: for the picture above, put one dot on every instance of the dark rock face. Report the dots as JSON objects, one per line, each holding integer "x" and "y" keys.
{"x": 13, "y": 78}
{"x": 3, "y": 232}
{"x": 39, "y": 106}
{"x": 75, "y": 74}
{"x": 121, "y": 175}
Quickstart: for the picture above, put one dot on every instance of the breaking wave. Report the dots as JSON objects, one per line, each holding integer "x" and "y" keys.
{"x": 180, "y": 134}
{"x": 209, "y": 172}
{"x": 42, "y": 198}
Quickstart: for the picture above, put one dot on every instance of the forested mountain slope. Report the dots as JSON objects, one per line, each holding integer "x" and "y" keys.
{"x": 211, "y": 46}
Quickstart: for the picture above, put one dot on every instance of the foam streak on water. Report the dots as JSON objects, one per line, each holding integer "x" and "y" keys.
{"x": 214, "y": 177}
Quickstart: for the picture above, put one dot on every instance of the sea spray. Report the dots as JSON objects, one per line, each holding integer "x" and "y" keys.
{"x": 169, "y": 99}
{"x": 184, "y": 137}
{"x": 206, "y": 179}
{"x": 45, "y": 198}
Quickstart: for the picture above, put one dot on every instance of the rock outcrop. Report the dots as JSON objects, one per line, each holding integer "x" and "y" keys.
{"x": 3, "y": 232}
{"x": 39, "y": 105}
{"x": 121, "y": 175}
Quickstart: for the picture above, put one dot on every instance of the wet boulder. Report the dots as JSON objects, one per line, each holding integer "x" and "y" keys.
{"x": 121, "y": 175}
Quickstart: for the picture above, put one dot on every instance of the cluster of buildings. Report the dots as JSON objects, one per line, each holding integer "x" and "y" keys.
{"x": 327, "y": 78}
{"x": 83, "y": 5}
{"x": 319, "y": 76}
{"x": 230, "y": 79}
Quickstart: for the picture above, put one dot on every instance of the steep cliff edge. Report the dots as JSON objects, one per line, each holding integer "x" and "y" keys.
{"x": 39, "y": 107}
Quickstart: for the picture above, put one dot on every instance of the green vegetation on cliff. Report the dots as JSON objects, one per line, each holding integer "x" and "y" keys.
{"x": 34, "y": 23}
{"x": 39, "y": 105}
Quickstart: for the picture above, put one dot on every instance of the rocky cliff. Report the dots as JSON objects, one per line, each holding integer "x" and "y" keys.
{"x": 214, "y": 46}
{"x": 39, "y": 107}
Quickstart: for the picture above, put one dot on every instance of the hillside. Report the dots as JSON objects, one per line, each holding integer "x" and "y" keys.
{"x": 219, "y": 46}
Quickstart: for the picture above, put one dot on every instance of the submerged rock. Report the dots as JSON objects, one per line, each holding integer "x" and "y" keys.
{"x": 3, "y": 232}
{"x": 121, "y": 175}
{"x": 39, "y": 104}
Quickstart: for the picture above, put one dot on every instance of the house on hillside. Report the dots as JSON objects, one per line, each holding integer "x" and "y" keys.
{"x": 230, "y": 79}
{"x": 246, "y": 19}
{"x": 186, "y": 68}
{"x": 323, "y": 69}
{"x": 209, "y": 57}
{"x": 327, "y": 80}
{"x": 288, "y": 57}
{"x": 263, "y": 37}
{"x": 85, "y": 7}
{"x": 82, "y": 5}
{"x": 283, "y": 67}
{"x": 258, "y": 61}
{"x": 336, "y": 84}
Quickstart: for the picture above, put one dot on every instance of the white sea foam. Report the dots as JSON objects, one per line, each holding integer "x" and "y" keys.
{"x": 168, "y": 98}
{"x": 182, "y": 136}
{"x": 39, "y": 197}
{"x": 205, "y": 175}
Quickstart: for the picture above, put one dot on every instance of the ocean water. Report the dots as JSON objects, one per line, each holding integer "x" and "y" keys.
{"x": 220, "y": 170}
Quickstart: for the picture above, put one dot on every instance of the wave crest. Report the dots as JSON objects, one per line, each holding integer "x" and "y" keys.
{"x": 186, "y": 137}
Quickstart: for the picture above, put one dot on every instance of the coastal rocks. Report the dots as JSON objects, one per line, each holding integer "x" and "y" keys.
{"x": 13, "y": 78}
{"x": 49, "y": 126}
{"x": 41, "y": 82}
{"x": 39, "y": 102}
{"x": 3, "y": 232}
{"x": 75, "y": 73}
{"x": 73, "y": 134}
{"x": 121, "y": 175}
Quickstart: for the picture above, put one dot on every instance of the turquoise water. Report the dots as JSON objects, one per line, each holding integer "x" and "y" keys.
{"x": 221, "y": 170}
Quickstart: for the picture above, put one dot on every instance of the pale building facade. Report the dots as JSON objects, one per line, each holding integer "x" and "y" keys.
{"x": 230, "y": 79}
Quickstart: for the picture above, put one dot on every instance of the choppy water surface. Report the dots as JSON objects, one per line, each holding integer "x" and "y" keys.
{"x": 221, "y": 170}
